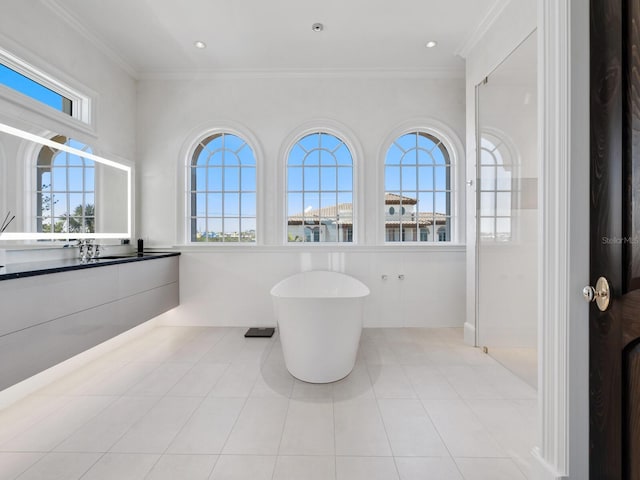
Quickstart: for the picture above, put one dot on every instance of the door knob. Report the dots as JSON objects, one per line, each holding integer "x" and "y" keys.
{"x": 600, "y": 294}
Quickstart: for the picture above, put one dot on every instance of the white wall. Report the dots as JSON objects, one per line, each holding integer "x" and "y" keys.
{"x": 515, "y": 23}
{"x": 31, "y": 31}
{"x": 230, "y": 286}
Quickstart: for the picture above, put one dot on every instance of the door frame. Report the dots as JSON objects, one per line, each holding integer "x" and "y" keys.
{"x": 563, "y": 376}
{"x": 562, "y": 450}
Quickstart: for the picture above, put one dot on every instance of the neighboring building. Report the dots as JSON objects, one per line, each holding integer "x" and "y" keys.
{"x": 402, "y": 223}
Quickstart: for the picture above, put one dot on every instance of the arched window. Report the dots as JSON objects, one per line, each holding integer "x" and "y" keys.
{"x": 496, "y": 189}
{"x": 65, "y": 189}
{"x": 223, "y": 190}
{"x": 417, "y": 182}
{"x": 320, "y": 190}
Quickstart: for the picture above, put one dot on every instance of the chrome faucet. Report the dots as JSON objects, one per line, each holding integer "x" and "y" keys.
{"x": 88, "y": 250}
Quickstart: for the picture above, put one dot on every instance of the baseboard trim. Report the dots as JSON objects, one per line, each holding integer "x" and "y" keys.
{"x": 542, "y": 470}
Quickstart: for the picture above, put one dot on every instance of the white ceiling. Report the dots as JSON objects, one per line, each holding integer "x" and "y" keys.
{"x": 153, "y": 37}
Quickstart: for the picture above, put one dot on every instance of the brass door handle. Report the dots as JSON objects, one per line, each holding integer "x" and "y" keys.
{"x": 600, "y": 294}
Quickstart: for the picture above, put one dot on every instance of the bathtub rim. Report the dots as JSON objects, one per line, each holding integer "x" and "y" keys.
{"x": 360, "y": 289}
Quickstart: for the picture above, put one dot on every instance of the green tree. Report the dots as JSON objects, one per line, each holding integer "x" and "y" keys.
{"x": 79, "y": 223}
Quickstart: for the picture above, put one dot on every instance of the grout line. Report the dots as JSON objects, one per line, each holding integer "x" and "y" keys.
{"x": 375, "y": 396}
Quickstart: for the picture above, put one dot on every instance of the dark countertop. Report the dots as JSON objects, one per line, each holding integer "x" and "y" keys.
{"x": 31, "y": 269}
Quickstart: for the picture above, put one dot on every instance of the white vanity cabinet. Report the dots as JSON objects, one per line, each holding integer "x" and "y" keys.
{"x": 48, "y": 318}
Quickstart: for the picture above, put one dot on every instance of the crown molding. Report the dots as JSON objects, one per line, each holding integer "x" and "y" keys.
{"x": 65, "y": 15}
{"x": 483, "y": 27}
{"x": 212, "y": 74}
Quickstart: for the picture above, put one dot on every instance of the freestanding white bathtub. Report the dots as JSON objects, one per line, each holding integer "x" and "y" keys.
{"x": 319, "y": 317}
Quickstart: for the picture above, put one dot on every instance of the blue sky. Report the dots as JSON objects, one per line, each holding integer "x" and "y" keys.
{"x": 319, "y": 174}
{"x": 26, "y": 86}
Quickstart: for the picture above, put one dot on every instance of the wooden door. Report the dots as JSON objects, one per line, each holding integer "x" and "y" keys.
{"x": 614, "y": 358}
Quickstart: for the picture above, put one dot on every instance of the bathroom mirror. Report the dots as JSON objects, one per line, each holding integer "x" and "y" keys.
{"x": 58, "y": 189}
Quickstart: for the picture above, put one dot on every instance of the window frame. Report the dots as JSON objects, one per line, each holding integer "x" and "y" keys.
{"x": 82, "y": 98}
{"x": 451, "y": 142}
{"x": 344, "y": 134}
{"x": 188, "y": 150}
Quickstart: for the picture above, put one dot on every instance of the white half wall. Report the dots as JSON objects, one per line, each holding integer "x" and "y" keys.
{"x": 232, "y": 288}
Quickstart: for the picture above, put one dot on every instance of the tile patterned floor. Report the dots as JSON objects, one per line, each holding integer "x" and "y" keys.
{"x": 206, "y": 403}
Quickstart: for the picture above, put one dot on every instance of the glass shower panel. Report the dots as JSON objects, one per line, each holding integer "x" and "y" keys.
{"x": 507, "y": 209}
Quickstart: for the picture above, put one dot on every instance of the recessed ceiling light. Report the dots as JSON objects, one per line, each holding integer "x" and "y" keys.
{"x": 317, "y": 27}
{"x": 431, "y": 44}
{"x": 199, "y": 44}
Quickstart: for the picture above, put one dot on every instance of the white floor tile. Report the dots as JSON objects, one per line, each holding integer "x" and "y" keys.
{"x": 199, "y": 381}
{"x": 209, "y": 427}
{"x": 308, "y": 429}
{"x": 237, "y": 381}
{"x": 121, "y": 466}
{"x": 244, "y": 467}
{"x": 204, "y": 340}
{"x": 312, "y": 391}
{"x": 505, "y": 382}
{"x": 225, "y": 352}
{"x": 50, "y": 431}
{"x": 514, "y": 431}
{"x": 389, "y": 381}
{"x": 160, "y": 380}
{"x": 214, "y": 405}
{"x": 426, "y": 468}
{"x": 259, "y": 427}
{"x": 468, "y": 382}
{"x": 273, "y": 380}
{"x": 106, "y": 428}
{"x": 355, "y": 385}
{"x": 445, "y": 356}
{"x": 120, "y": 381}
{"x": 61, "y": 466}
{"x": 305, "y": 468}
{"x": 410, "y": 430}
{"x": 13, "y": 464}
{"x": 460, "y": 429}
{"x": 255, "y": 351}
{"x": 182, "y": 467}
{"x": 157, "y": 429}
{"x": 77, "y": 382}
{"x": 359, "y": 429}
{"x": 19, "y": 417}
{"x": 429, "y": 383}
{"x": 366, "y": 468}
{"x": 489, "y": 469}
{"x": 377, "y": 353}
{"x": 409, "y": 352}
{"x": 523, "y": 362}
